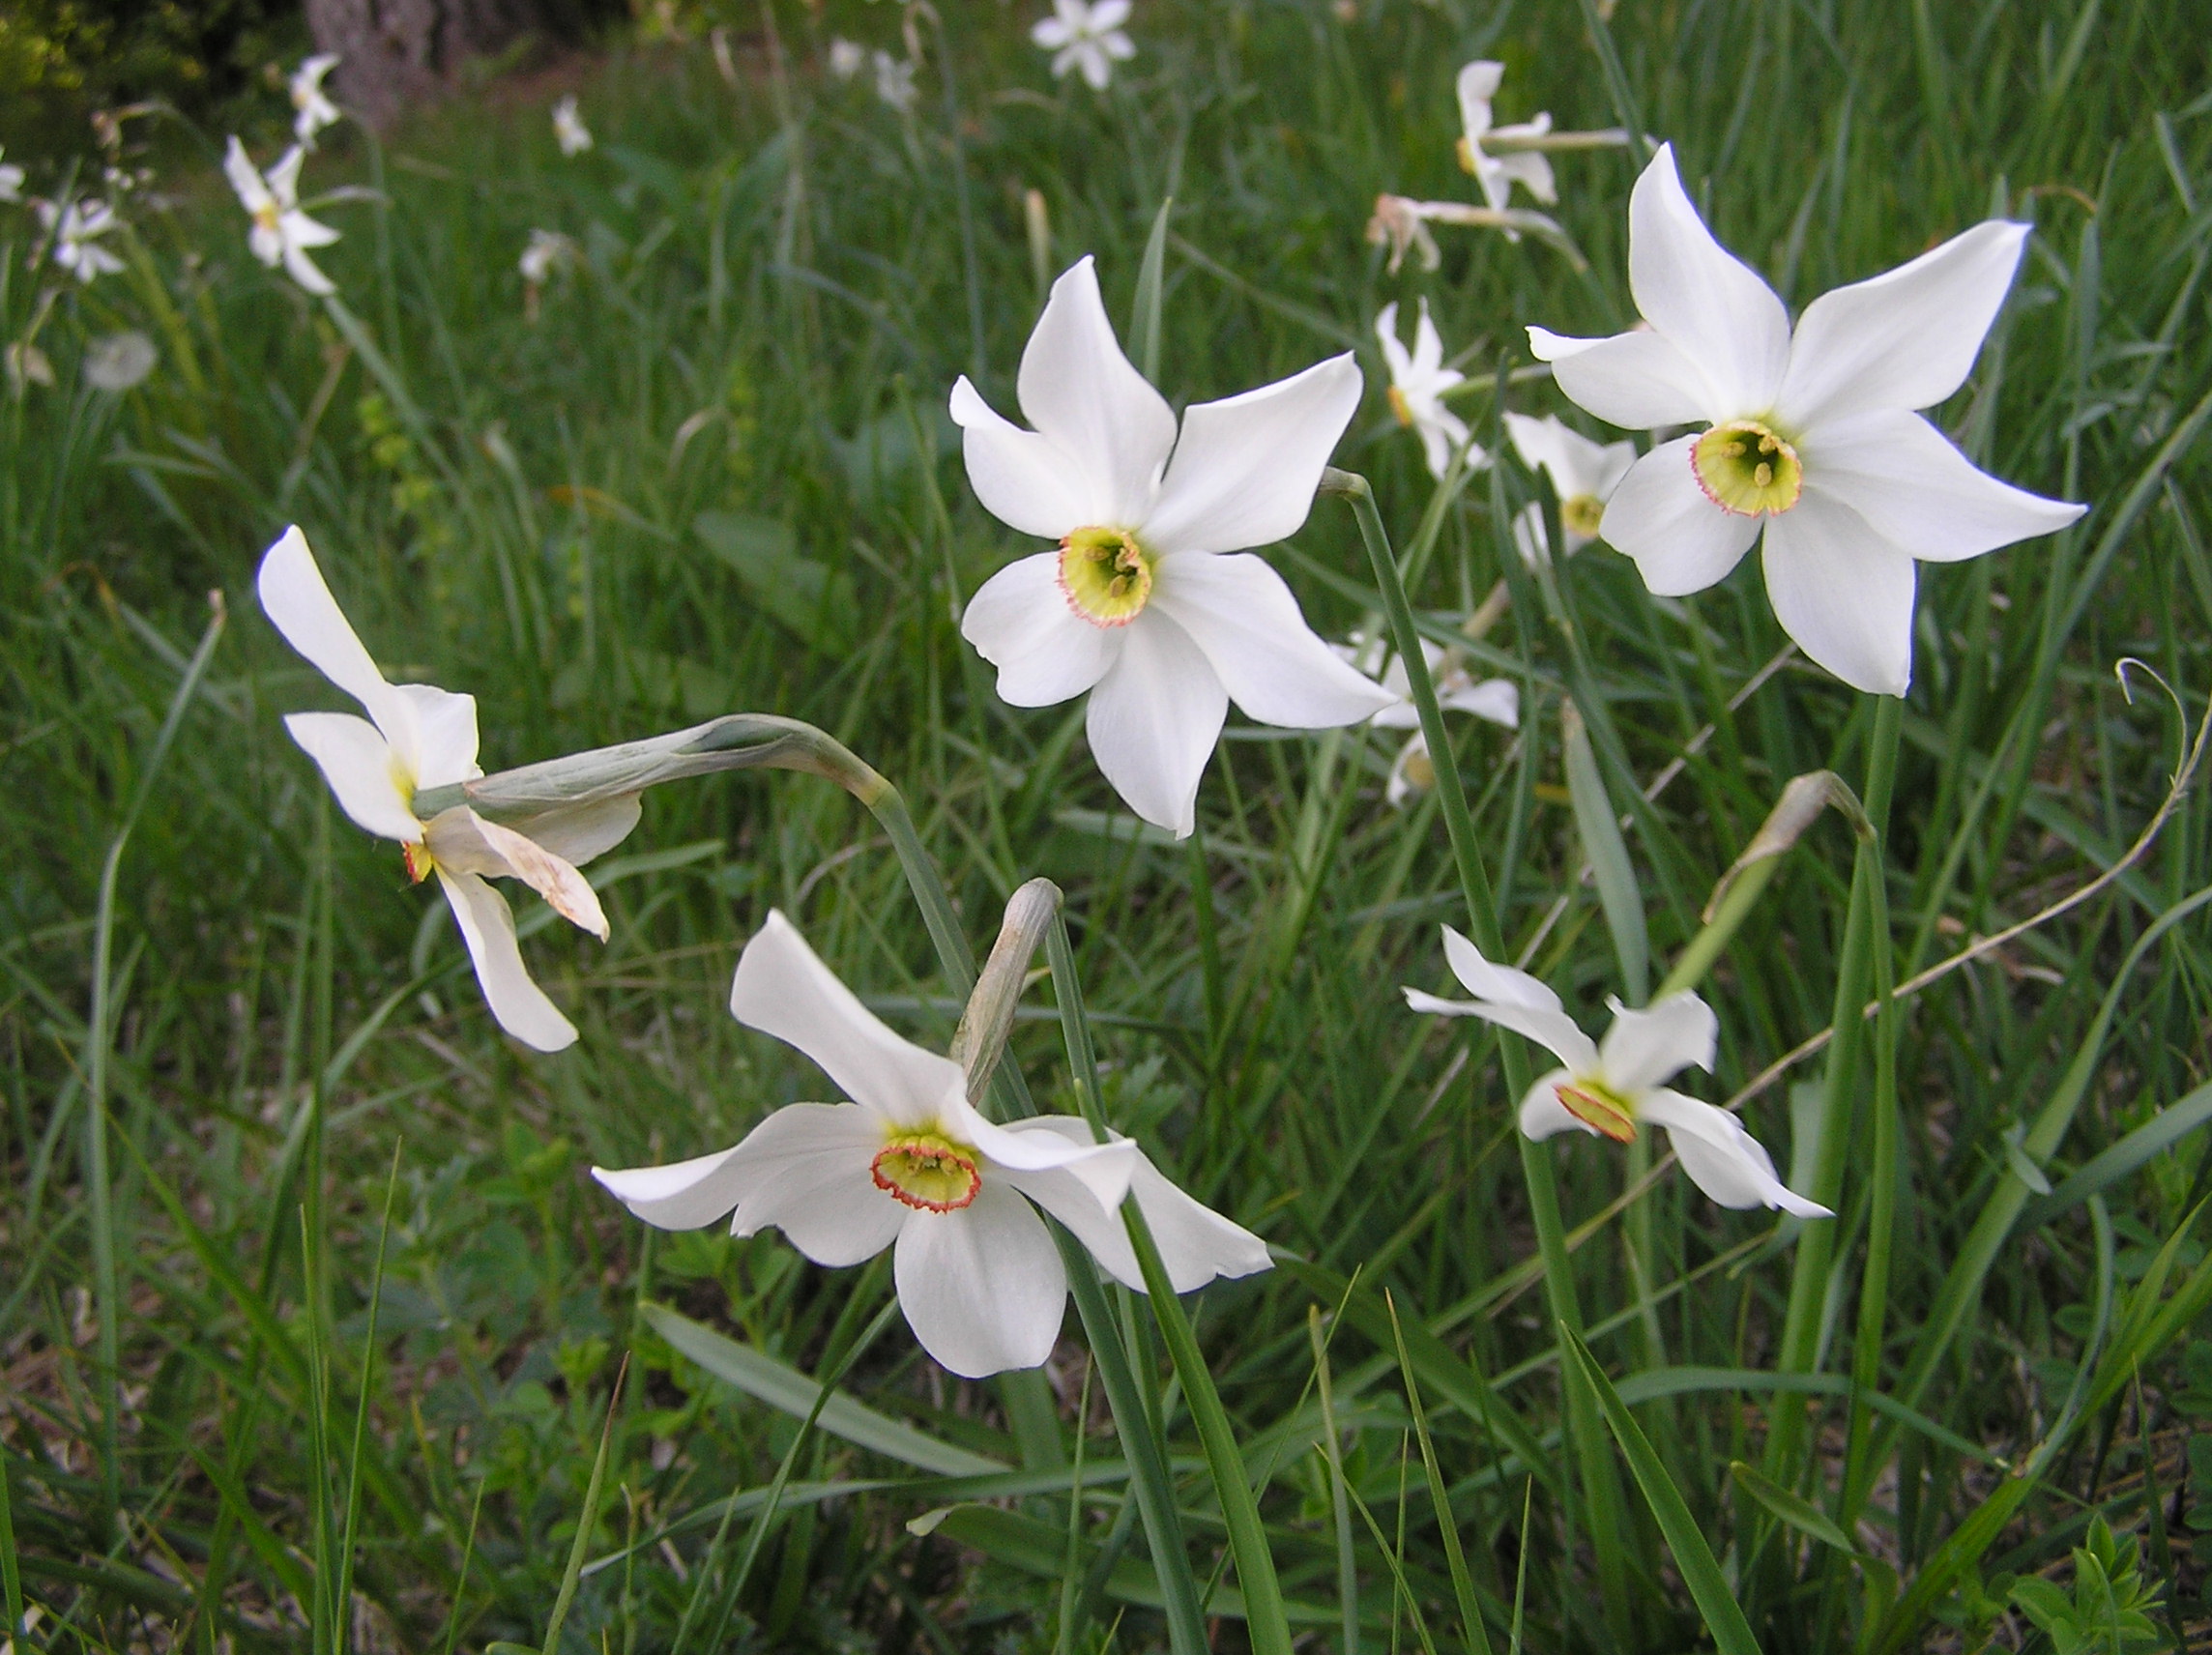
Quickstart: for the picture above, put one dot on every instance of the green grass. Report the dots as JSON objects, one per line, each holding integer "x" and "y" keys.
{"x": 781, "y": 278}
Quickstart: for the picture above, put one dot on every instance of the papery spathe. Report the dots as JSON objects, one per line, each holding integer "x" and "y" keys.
{"x": 1809, "y": 434}
{"x": 910, "y": 1164}
{"x": 418, "y": 738}
{"x": 1142, "y": 605}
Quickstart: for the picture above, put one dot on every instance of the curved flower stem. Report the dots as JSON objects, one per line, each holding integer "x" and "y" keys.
{"x": 1265, "y": 1621}
{"x": 1868, "y": 910}
{"x": 1600, "y": 1485}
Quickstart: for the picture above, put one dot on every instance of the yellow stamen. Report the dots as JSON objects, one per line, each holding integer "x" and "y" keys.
{"x": 1105, "y": 575}
{"x": 1599, "y": 1108}
{"x": 1581, "y": 514}
{"x": 1746, "y": 468}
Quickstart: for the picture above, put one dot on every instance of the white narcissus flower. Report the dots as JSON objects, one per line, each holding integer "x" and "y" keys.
{"x": 548, "y": 250}
{"x": 1085, "y": 35}
{"x": 847, "y": 58}
{"x": 908, "y": 1163}
{"x": 1498, "y": 174}
{"x": 1141, "y": 605}
{"x": 312, "y": 105}
{"x": 418, "y": 738}
{"x": 895, "y": 81}
{"x": 569, "y": 129}
{"x": 10, "y": 180}
{"x": 1419, "y": 382}
{"x": 1613, "y": 1087}
{"x": 1584, "y": 476}
{"x": 1458, "y": 691}
{"x": 1810, "y": 435}
{"x": 281, "y": 233}
{"x": 75, "y": 228}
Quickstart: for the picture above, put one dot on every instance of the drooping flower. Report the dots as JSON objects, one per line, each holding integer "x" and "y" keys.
{"x": 569, "y": 129}
{"x": 76, "y": 228}
{"x": 1584, "y": 476}
{"x": 1417, "y": 385}
{"x": 1085, "y": 35}
{"x": 908, "y": 1163}
{"x": 895, "y": 81}
{"x": 1497, "y": 173}
{"x": 281, "y": 233}
{"x": 417, "y": 738}
{"x": 847, "y": 58}
{"x": 11, "y": 179}
{"x": 1141, "y": 605}
{"x": 312, "y": 105}
{"x": 1809, "y": 435}
{"x": 1612, "y": 1088}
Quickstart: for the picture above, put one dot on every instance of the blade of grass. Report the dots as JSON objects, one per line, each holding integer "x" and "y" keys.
{"x": 1462, "y": 1584}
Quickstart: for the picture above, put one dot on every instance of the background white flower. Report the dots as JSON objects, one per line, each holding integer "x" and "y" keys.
{"x": 281, "y": 233}
{"x": 895, "y": 81}
{"x": 569, "y": 129}
{"x": 313, "y": 108}
{"x": 847, "y": 58}
{"x": 76, "y": 228}
{"x": 1608, "y": 1089}
{"x": 1140, "y": 605}
{"x": 1418, "y": 380}
{"x": 1584, "y": 476}
{"x": 548, "y": 250}
{"x": 908, "y": 1163}
{"x": 10, "y": 180}
{"x": 1809, "y": 434}
{"x": 1498, "y": 174}
{"x": 117, "y": 361}
{"x": 1495, "y": 699}
{"x": 1085, "y": 35}
{"x": 416, "y": 738}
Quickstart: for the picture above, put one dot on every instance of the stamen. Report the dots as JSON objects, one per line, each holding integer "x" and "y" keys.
{"x": 1599, "y": 1108}
{"x": 927, "y": 1172}
{"x": 1745, "y": 468}
{"x": 1400, "y": 406}
{"x": 1105, "y": 575}
{"x": 1581, "y": 514}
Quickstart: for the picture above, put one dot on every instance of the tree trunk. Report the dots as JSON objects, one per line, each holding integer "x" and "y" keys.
{"x": 395, "y": 52}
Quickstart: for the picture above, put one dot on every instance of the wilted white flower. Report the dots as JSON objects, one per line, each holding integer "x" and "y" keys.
{"x": 847, "y": 58}
{"x": 1139, "y": 604}
{"x": 1609, "y": 1089}
{"x": 118, "y": 361}
{"x": 1584, "y": 476}
{"x": 895, "y": 81}
{"x": 1417, "y": 385}
{"x": 1085, "y": 35}
{"x": 1810, "y": 435}
{"x": 910, "y": 1164}
{"x": 1498, "y": 174}
{"x": 569, "y": 129}
{"x": 1400, "y": 225}
{"x": 75, "y": 228}
{"x": 313, "y": 108}
{"x": 417, "y": 738}
{"x": 281, "y": 233}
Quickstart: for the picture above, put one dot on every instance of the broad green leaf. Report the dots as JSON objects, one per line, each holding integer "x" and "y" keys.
{"x": 809, "y": 597}
{"x": 1798, "y": 1512}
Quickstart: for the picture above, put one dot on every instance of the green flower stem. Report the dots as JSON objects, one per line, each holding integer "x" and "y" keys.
{"x": 1266, "y": 1624}
{"x": 1816, "y": 1245}
{"x": 1585, "y": 1431}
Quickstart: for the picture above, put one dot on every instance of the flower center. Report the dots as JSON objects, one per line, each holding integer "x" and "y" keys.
{"x": 1600, "y": 1108}
{"x": 419, "y": 861}
{"x": 1746, "y": 468}
{"x": 1400, "y": 406}
{"x": 927, "y": 1172}
{"x": 266, "y": 216}
{"x": 1105, "y": 575}
{"x": 1581, "y": 514}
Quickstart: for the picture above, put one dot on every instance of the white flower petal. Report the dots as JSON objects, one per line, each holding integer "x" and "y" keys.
{"x": 984, "y": 1287}
{"x": 1636, "y": 380}
{"x": 1711, "y": 305}
{"x": 1530, "y": 169}
{"x": 1514, "y": 999}
{"x": 358, "y": 763}
{"x": 576, "y": 833}
{"x": 1681, "y": 541}
{"x": 1495, "y": 699}
{"x": 1153, "y": 720}
{"x": 445, "y": 730}
{"x": 284, "y": 176}
{"x": 807, "y": 1171}
{"x": 1476, "y": 85}
{"x": 1245, "y": 468}
{"x": 682, "y": 1194}
{"x": 1906, "y": 338}
{"x": 1242, "y": 614}
{"x": 244, "y": 177}
{"x": 465, "y": 843}
{"x": 1020, "y": 620}
{"x": 1543, "y": 1116}
{"x": 1646, "y": 1048}
{"x": 1104, "y": 1168}
{"x": 1722, "y": 1159}
{"x": 302, "y": 270}
{"x": 1085, "y": 397}
{"x": 1022, "y": 478}
{"x": 1914, "y": 489}
{"x": 520, "y": 1007}
{"x": 298, "y": 601}
{"x": 1843, "y": 593}
{"x": 781, "y": 988}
